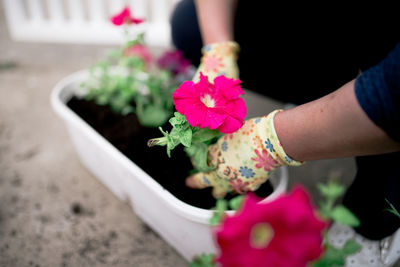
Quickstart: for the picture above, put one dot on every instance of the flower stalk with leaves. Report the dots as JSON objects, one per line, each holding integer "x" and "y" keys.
{"x": 130, "y": 81}
{"x": 205, "y": 111}
{"x": 287, "y": 231}
{"x": 194, "y": 139}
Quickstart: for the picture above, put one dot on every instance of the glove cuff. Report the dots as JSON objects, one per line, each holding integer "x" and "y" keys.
{"x": 222, "y": 48}
{"x": 272, "y": 143}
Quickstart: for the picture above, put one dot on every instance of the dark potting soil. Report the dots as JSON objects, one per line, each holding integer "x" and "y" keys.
{"x": 128, "y": 136}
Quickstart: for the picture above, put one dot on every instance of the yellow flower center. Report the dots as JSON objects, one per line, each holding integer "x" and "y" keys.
{"x": 261, "y": 234}
{"x": 208, "y": 101}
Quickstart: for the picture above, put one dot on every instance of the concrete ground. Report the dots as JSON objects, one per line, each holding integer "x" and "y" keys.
{"x": 53, "y": 212}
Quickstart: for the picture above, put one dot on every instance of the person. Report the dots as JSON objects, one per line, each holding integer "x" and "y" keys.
{"x": 341, "y": 66}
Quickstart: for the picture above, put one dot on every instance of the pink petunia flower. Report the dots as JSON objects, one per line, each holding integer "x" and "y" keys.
{"x": 264, "y": 160}
{"x": 125, "y": 17}
{"x": 174, "y": 62}
{"x": 216, "y": 106}
{"x": 139, "y": 50}
{"x": 285, "y": 232}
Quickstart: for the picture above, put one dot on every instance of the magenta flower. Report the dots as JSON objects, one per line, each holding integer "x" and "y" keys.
{"x": 216, "y": 106}
{"x": 139, "y": 50}
{"x": 174, "y": 62}
{"x": 264, "y": 160}
{"x": 125, "y": 17}
{"x": 285, "y": 232}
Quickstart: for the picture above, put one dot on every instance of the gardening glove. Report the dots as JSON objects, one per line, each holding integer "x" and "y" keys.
{"x": 219, "y": 59}
{"x": 244, "y": 160}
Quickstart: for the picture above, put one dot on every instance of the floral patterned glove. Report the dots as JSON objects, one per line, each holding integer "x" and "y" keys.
{"x": 219, "y": 59}
{"x": 244, "y": 160}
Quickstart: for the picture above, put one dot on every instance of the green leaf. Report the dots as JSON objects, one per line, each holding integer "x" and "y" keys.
{"x": 185, "y": 136}
{"x": 181, "y": 133}
{"x": 204, "y": 134}
{"x": 114, "y": 54}
{"x": 215, "y": 219}
{"x": 168, "y": 140}
{"x": 392, "y": 209}
{"x": 343, "y": 215}
{"x": 177, "y": 120}
{"x": 219, "y": 212}
{"x": 152, "y": 116}
{"x": 325, "y": 209}
{"x": 236, "y": 202}
{"x": 332, "y": 190}
{"x": 336, "y": 257}
{"x": 331, "y": 258}
{"x": 203, "y": 260}
{"x": 198, "y": 152}
{"x": 351, "y": 247}
{"x": 102, "y": 100}
{"x": 120, "y": 81}
{"x": 221, "y": 205}
{"x": 172, "y": 143}
{"x": 133, "y": 62}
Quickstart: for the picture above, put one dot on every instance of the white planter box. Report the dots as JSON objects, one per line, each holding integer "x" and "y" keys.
{"x": 183, "y": 226}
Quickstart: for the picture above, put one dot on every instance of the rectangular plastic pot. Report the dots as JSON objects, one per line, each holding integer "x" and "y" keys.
{"x": 184, "y": 227}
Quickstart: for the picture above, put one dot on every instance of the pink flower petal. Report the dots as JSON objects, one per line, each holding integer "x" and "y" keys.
{"x": 214, "y": 118}
{"x": 140, "y": 51}
{"x": 117, "y": 21}
{"x": 174, "y": 61}
{"x": 230, "y": 125}
{"x": 185, "y": 105}
{"x": 125, "y": 17}
{"x": 136, "y": 20}
{"x": 217, "y": 112}
{"x": 196, "y": 115}
{"x": 119, "y": 18}
{"x": 295, "y": 240}
{"x": 204, "y": 86}
{"x": 185, "y": 95}
{"x": 236, "y": 108}
{"x": 200, "y": 115}
{"x": 230, "y": 88}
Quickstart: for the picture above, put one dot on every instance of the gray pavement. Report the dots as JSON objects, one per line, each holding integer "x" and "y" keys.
{"x": 53, "y": 212}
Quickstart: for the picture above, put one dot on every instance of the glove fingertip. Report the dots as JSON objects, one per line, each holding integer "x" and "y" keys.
{"x": 190, "y": 182}
{"x": 197, "y": 181}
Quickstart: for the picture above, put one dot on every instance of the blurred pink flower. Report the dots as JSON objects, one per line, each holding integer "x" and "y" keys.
{"x": 125, "y": 17}
{"x": 285, "y": 232}
{"x": 174, "y": 62}
{"x": 139, "y": 50}
{"x": 216, "y": 106}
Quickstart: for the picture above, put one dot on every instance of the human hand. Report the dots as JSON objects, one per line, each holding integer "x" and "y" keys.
{"x": 244, "y": 160}
{"x": 219, "y": 59}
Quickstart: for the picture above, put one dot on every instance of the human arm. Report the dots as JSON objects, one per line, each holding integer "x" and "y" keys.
{"x": 333, "y": 126}
{"x": 216, "y": 26}
{"x": 360, "y": 118}
{"x": 216, "y": 20}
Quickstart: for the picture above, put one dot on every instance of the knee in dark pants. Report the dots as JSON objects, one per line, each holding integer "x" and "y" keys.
{"x": 377, "y": 180}
{"x": 185, "y": 31}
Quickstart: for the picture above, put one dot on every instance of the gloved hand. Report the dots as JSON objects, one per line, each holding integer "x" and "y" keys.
{"x": 219, "y": 59}
{"x": 244, "y": 160}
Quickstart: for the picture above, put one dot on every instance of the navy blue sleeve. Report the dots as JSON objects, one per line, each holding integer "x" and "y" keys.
{"x": 378, "y": 92}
